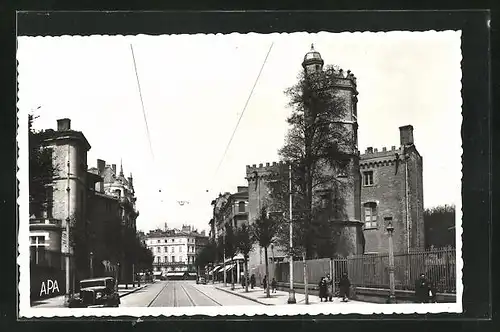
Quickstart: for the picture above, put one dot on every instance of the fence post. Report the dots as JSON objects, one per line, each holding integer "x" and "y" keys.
{"x": 332, "y": 273}
{"x": 306, "y": 294}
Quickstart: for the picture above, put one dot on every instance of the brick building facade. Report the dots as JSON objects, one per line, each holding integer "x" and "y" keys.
{"x": 392, "y": 190}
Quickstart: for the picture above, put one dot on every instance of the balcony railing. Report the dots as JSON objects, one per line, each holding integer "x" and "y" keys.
{"x": 45, "y": 222}
{"x": 170, "y": 263}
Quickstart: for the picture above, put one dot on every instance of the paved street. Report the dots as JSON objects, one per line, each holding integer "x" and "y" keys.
{"x": 182, "y": 294}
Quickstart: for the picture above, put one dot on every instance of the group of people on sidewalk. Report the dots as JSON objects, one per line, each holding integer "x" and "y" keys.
{"x": 424, "y": 290}
{"x": 326, "y": 288}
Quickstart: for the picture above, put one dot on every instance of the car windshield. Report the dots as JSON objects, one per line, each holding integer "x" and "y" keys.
{"x": 93, "y": 283}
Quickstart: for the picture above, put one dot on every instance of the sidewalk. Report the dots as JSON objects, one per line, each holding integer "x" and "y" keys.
{"x": 280, "y": 297}
{"x": 59, "y": 301}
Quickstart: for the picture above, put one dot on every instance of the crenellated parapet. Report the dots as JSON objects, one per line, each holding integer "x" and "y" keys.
{"x": 335, "y": 72}
{"x": 375, "y": 158}
{"x": 265, "y": 171}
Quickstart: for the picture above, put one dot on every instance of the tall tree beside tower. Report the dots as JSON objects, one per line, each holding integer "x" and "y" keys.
{"x": 320, "y": 147}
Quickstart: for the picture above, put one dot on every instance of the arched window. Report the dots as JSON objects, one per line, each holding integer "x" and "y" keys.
{"x": 241, "y": 206}
{"x": 370, "y": 213}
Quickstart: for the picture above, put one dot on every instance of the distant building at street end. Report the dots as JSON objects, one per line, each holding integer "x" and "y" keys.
{"x": 392, "y": 190}
{"x": 175, "y": 250}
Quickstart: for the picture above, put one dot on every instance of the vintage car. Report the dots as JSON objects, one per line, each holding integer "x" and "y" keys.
{"x": 201, "y": 280}
{"x": 96, "y": 292}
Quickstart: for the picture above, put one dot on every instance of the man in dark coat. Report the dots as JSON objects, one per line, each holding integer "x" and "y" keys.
{"x": 344, "y": 285}
{"x": 252, "y": 281}
{"x": 322, "y": 289}
{"x": 422, "y": 289}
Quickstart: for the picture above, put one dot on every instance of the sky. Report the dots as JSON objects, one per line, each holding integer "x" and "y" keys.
{"x": 195, "y": 87}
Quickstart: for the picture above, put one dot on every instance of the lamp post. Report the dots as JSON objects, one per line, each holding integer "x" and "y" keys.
{"x": 117, "y": 275}
{"x": 91, "y": 264}
{"x": 291, "y": 294}
{"x": 392, "y": 296}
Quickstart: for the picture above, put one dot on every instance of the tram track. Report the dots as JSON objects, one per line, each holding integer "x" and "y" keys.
{"x": 156, "y": 296}
{"x": 207, "y": 296}
{"x": 188, "y": 296}
{"x": 173, "y": 293}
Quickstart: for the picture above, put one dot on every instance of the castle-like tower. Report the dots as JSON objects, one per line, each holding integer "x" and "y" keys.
{"x": 347, "y": 221}
{"x": 345, "y": 199}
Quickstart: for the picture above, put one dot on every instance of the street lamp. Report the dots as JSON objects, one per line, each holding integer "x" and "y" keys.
{"x": 117, "y": 275}
{"x": 291, "y": 294}
{"x": 91, "y": 264}
{"x": 392, "y": 296}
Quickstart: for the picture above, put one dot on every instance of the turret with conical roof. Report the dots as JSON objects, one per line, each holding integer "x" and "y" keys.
{"x": 312, "y": 61}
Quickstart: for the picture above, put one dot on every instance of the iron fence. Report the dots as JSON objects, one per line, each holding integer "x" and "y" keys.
{"x": 372, "y": 270}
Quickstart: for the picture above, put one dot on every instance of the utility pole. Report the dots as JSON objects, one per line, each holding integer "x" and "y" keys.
{"x": 67, "y": 238}
{"x": 291, "y": 295}
{"x": 224, "y": 257}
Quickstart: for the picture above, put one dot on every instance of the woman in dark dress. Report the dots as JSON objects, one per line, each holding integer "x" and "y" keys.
{"x": 322, "y": 289}
{"x": 344, "y": 286}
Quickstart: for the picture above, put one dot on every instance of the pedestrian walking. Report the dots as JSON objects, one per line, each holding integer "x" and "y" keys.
{"x": 423, "y": 291}
{"x": 274, "y": 284}
{"x": 252, "y": 281}
{"x": 264, "y": 283}
{"x": 344, "y": 285}
{"x": 329, "y": 288}
{"x": 243, "y": 281}
{"x": 322, "y": 289}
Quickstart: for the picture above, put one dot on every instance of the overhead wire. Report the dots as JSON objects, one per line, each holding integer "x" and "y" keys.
{"x": 142, "y": 103}
{"x": 243, "y": 112}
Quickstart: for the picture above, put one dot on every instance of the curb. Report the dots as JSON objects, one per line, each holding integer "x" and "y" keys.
{"x": 133, "y": 291}
{"x": 243, "y": 296}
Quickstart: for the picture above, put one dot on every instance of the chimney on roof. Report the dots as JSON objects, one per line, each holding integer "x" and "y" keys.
{"x": 101, "y": 164}
{"x": 406, "y": 135}
{"x": 63, "y": 124}
{"x": 113, "y": 166}
{"x": 369, "y": 150}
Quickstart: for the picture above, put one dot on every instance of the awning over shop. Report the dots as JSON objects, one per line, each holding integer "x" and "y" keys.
{"x": 215, "y": 270}
{"x": 228, "y": 268}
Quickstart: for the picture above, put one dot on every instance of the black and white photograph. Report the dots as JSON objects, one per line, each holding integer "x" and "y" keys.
{"x": 240, "y": 174}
